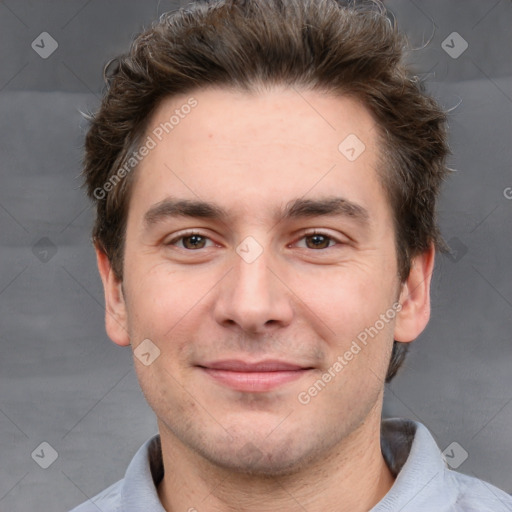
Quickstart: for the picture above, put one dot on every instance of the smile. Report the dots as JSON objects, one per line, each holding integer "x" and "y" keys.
{"x": 254, "y": 377}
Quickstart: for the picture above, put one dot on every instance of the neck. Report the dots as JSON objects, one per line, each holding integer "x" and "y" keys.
{"x": 353, "y": 476}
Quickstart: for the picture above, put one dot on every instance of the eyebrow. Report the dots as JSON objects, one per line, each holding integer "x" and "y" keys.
{"x": 295, "y": 209}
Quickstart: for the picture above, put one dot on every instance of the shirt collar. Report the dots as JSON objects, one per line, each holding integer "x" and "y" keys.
{"x": 139, "y": 490}
{"x": 414, "y": 458}
{"x": 408, "y": 448}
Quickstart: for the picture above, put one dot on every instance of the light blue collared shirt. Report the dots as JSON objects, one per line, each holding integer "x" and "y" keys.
{"x": 424, "y": 482}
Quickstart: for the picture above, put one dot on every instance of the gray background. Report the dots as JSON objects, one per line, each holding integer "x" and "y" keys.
{"x": 63, "y": 382}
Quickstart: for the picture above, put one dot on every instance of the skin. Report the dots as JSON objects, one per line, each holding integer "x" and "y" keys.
{"x": 251, "y": 154}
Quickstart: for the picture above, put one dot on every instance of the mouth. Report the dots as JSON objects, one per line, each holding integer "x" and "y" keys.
{"x": 257, "y": 377}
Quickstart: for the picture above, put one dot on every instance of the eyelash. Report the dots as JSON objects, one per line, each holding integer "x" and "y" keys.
{"x": 304, "y": 235}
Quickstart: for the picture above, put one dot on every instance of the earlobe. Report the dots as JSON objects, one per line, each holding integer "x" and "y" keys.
{"x": 115, "y": 307}
{"x": 415, "y": 298}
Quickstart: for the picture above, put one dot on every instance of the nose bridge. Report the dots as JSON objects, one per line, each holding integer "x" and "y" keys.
{"x": 251, "y": 273}
{"x": 251, "y": 261}
{"x": 252, "y": 296}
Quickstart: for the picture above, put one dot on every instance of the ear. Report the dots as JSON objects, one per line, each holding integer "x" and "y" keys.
{"x": 115, "y": 307}
{"x": 415, "y": 298}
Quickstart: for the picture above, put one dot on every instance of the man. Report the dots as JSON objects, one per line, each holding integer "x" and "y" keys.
{"x": 265, "y": 176}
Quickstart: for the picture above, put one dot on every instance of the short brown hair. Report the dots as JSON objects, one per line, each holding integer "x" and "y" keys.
{"x": 346, "y": 48}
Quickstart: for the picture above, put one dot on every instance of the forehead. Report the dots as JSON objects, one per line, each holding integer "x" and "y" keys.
{"x": 251, "y": 152}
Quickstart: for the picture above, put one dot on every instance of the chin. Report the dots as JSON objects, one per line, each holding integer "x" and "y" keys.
{"x": 264, "y": 459}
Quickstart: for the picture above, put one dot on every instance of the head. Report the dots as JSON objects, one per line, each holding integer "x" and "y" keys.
{"x": 250, "y": 106}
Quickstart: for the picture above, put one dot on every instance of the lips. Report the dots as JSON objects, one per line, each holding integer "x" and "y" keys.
{"x": 255, "y": 377}
{"x": 235, "y": 365}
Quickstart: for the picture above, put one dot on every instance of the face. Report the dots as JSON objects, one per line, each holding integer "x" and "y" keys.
{"x": 260, "y": 263}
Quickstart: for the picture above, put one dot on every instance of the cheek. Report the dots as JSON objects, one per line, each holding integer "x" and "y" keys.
{"x": 152, "y": 301}
{"x": 350, "y": 301}
{"x": 162, "y": 302}
{"x": 348, "y": 298}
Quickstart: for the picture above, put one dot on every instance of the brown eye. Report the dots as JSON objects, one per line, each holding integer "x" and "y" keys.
{"x": 194, "y": 241}
{"x": 191, "y": 241}
{"x": 317, "y": 241}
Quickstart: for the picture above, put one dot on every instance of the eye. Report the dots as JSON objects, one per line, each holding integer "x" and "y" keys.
{"x": 190, "y": 241}
{"x": 317, "y": 240}
{"x": 193, "y": 240}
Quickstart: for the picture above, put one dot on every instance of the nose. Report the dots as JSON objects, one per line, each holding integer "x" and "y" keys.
{"x": 254, "y": 297}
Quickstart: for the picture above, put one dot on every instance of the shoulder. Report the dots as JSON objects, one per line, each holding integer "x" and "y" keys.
{"x": 138, "y": 487}
{"x": 475, "y": 495}
{"x": 109, "y": 500}
{"x": 424, "y": 480}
